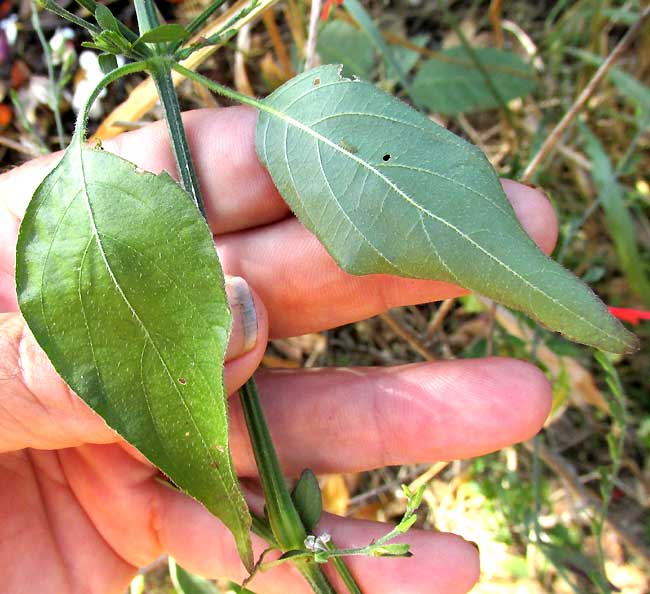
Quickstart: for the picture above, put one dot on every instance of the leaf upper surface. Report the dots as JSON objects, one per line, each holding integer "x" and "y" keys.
{"x": 388, "y": 191}
{"x": 119, "y": 281}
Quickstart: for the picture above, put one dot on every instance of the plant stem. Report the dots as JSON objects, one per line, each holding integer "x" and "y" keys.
{"x": 69, "y": 16}
{"x": 55, "y": 96}
{"x": 285, "y": 522}
{"x": 221, "y": 89}
{"x": 172, "y": 112}
{"x": 202, "y": 18}
{"x": 283, "y": 517}
{"x": 145, "y": 11}
{"x": 82, "y": 118}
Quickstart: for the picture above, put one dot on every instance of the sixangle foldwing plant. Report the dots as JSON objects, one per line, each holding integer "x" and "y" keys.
{"x": 119, "y": 281}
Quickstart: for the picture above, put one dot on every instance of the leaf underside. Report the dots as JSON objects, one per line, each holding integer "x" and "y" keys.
{"x": 118, "y": 279}
{"x": 388, "y": 191}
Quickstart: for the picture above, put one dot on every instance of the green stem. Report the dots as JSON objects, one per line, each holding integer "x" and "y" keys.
{"x": 68, "y": 16}
{"x": 55, "y": 96}
{"x": 145, "y": 11}
{"x": 283, "y": 517}
{"x": 162, "y": 78}
{"x": 285, "y": 522}
{"x": 82, "y": 118}
{"x": 346, "y": 576}
{"x": 315, "y": 577}
{"x": 198, "y": 22}
{"x": 221, "y": 89}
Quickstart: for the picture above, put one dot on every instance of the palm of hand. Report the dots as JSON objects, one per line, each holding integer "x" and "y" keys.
{"x": 80, "y": 510}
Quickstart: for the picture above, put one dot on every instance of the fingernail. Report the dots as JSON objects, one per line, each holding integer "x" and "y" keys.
{"x": 244, "y": 317}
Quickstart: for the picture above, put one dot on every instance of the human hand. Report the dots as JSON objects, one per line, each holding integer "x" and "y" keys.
{"x": 80, "y": 510}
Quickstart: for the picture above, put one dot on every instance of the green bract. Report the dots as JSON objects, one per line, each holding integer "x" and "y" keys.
{"x": 388, "y": 191}
{"x": 119, "y": 281}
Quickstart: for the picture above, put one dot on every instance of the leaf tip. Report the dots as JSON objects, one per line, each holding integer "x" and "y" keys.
{"x": 631, "y": 343}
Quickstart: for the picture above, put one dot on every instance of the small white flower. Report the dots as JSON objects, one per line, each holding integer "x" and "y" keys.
{"x": 61, "y": 46}
{"x": 317, "y": 543}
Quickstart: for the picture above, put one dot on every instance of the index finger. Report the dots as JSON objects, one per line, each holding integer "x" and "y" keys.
{"x": 237, "y": 190}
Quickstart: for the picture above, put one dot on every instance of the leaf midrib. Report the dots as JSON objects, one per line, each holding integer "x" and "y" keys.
{"x": 143, "y": 328}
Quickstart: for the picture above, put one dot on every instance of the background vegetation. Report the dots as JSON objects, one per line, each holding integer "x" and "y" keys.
{"x": 569, "y": 511}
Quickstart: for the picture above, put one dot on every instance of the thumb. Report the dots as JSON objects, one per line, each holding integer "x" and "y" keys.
{"x": 38, "y": 409}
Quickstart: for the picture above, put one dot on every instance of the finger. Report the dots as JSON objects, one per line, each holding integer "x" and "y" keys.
{"x": 442, "y": 563}
{"x": 305, "y": 290}
{"x": 49, "y": 544}
{"x": 38, "y": 410}
{"x": 347, "y": 420}
{"x": 141, "y": 518}
{"x": 237, "y": 190}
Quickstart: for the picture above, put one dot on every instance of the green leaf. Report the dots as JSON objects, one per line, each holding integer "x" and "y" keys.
{"x": 105, "y": 19}
{"x": 119, "y": 281}
{"x": 188, "y": 583}
{"x": 308, "y": 500}
{"x": 619, "y": 221}
{"x": 109, "y": 41}
{"x": 164, "y": 33}
{"x": 406, "y": 57}
{"x": 577, "y": 562}
{"x": 107, "y": 62}
{"x": 450, "y": 83}
{"x": 392, "y": 550}
{"x": 388, "y": 191}
{"x": 365, "y": 21}
{"x": 341, "y": 43}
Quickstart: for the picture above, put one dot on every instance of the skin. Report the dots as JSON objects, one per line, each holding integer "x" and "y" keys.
{"x": 80, "y": 510}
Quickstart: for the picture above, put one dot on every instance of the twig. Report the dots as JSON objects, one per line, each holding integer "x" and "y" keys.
{"x": 296, "y": 25}
{"x": 433, "y": 471}
{"x": 242, "y": 82}
{"x": 566, "y": 472}
{"x": 405, "y": 334}
{"x": 495, "y": 14}
{"x": 276, "y": 40}
{"x": 310, "y": 50}
{"x": 19, "y": 148}
{"x": 554, "y": 137}
{"x": 439, "y": 317}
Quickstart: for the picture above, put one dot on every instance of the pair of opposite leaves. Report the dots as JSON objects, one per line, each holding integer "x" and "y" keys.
{"x": 119, "y": 281}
